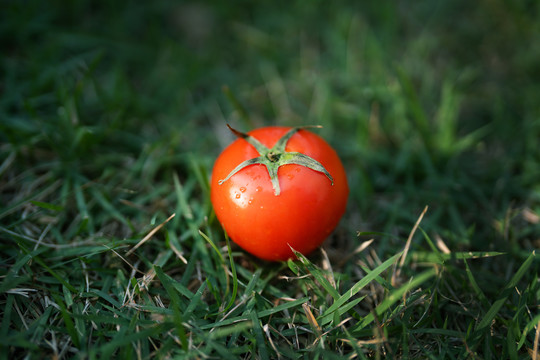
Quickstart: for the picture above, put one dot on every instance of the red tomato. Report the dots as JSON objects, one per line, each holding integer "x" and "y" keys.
{"x": 300, "y": 213}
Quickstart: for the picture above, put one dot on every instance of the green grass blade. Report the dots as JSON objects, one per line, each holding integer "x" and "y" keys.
{"x": 511, "y": 343}
{"x": 434, "y": 249}
{"x": 128, "y": 339}
{"x": 6, "y": 316}
{"x": 261, "y": 314}
{"x": 395, "y": 296}
{"x": 183, "y": 206}
{"x": 430, "y": 257}
{"x": 211, "y": 243}
{"x": 318, "y": 275}
{"x": 259, "y": 335}
{"x": 47, "y": 206}
{"x": 20, "y": 203}
{"x": 479, "y": 293}
{"x": 58, "y": 277}
{"x": 284, "y": 306}
{"x": 231, "y": 329}
{"x": 107, "y": 297}
{"x": 109, "y": 207}
{"x": 347, "y": 295}
{"x": 234, "y": 275}
{"x": 253, "y": 282}
{"x": 195, "y": 301}
{"x": 330, "y": 316}
{"x": 535, "y": 321}
{"x": 418, "y": 114}
{"x": 174, "y": 304}
{"x": 68, "y": 321}
{"x": 484, "y": 324}
{"x": 12, "y": 279}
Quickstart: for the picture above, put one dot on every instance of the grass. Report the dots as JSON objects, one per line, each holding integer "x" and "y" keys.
{"x": 111, "y": 114}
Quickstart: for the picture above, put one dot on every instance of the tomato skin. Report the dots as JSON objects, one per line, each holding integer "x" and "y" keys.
{"x": 305, "y": 213}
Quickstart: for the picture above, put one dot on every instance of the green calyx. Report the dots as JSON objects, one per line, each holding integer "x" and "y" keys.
{"x": 276, "y": 156}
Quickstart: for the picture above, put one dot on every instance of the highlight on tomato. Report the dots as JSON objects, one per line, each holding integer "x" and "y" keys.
{"x": 277, "y": 188}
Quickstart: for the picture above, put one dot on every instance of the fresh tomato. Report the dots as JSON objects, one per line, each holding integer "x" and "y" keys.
{"x": 277, "y": 188}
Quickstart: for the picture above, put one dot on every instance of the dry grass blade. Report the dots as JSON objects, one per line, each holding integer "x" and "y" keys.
{"x": 441, "y": 244}
{"x": 311, "y": 319}
{"x": 530, "y": 216}
{"x": 150, "y": 234}
{"x": 327, "y": 266}
{"x": 363, "y": 246}
{"x": 178, "y": 253}
{"x": 269, "y": 336}
{"x": 356, "y": 251}
{"x": 397, "y": 273}
{"x": 21, "y": 291}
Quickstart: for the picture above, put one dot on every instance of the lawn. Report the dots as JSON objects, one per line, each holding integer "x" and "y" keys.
{"x": 113, "y": 112}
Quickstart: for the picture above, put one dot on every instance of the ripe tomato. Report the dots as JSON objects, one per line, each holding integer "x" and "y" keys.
{"x": 298, "y": 208}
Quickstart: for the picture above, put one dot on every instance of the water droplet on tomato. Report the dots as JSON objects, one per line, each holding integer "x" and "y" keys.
{"x": 258, "y": 188}
{"x": 237, "y": 196}
{"x": 243, "y": 189}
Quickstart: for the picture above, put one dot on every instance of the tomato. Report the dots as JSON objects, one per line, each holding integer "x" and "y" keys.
{"x": 276, "y": 188}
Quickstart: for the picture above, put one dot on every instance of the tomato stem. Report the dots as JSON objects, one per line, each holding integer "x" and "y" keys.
{"x": 276, "y": 156}
{"x": 273, "y": 157}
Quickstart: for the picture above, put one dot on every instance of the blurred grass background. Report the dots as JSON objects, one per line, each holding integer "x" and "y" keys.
{"x": 111, "y": 114}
